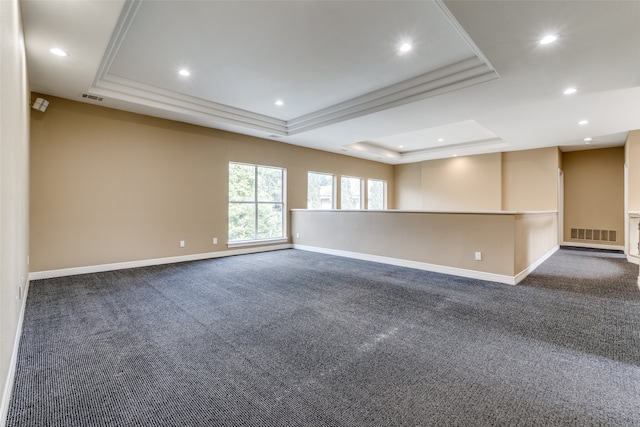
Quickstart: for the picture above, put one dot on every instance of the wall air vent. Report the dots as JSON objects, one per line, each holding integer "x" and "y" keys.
{"x": 594, "y": 235}
{"x": 92, "y": 97}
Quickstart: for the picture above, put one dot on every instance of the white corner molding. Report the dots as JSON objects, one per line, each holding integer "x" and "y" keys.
{"x": 37, "y": 275}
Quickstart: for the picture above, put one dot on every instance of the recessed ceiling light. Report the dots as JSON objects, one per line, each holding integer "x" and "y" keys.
{"x": 583, "y": 122}
{"x": 455, "y": 155}
{"x": 58, "y": 52}
{"x": 570, "y": 91}
{"x": 279, "y": 102}
{"x": 400, "y": 146}
{"x": 588, "y": 140}
{"x": 440, "y": 140}
{"x": 184, "y": 72}
{"x": 550, "y": 38}
{"x": 405, "y": 47}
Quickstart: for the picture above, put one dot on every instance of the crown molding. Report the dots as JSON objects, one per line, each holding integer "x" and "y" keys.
{"x": 470, "y": 71}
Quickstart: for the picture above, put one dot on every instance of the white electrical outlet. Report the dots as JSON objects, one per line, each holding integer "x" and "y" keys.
{"x": 182, "y": 243}
{"x": 297, "y": 235}
{"x": 215, "y": 240}
{"x": 478, "y": 256}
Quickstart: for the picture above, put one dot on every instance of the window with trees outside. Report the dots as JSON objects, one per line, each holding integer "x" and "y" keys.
{"x": 350, "y": 193}
{"x": 256, "y": 202}
{"x": 376, "y": 194}
{"x": 320, "y": 191}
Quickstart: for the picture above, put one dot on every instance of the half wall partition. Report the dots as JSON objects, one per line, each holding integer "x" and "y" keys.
{"x": 500, "y": 246}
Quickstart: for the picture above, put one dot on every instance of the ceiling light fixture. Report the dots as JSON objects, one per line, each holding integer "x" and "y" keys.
{"x": 57, "y": 51}
{"x": 440, "y": 140}
{"x": 184, "y": 72}
{"x": 550, "y": 38}
{"x": 583, "y": 122}
{"x": 279, "y": 102}
{"x": 570, "y": 91}
{"x": 405, "y": 47}
{"x": 588, "y": 140}
{"x": 454, "y": 155}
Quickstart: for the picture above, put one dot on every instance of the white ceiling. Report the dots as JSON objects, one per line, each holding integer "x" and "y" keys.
{"x": 476, "y": 80}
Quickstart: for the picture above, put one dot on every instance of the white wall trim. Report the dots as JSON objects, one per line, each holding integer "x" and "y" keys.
{"x": 524, "y": 273}
{"x": 633, "y": 259}
{"x": 594, "y": 246}
{"x": 36, "y": 275}
{"x": 8, "y": 386}
{"x": 472, "y": 274}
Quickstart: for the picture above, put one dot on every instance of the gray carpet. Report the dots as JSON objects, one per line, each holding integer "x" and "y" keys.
{"x": 292, "y": 338}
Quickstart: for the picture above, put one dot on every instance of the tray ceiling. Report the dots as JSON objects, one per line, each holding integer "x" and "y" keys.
{"x": 476, "y": 79}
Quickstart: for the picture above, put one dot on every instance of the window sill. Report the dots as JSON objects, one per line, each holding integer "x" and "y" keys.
{"x": 242, "y": 243}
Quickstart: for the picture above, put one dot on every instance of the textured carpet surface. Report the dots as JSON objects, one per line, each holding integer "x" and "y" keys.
{"x": 292, "y": 338}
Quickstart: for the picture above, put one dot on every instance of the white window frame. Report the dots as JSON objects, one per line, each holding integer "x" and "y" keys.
{"x": 384, "y": 192}
{"x": 361, "y": 180}
{"x": 333, "y": 189}
{"x": 256, "y": 240}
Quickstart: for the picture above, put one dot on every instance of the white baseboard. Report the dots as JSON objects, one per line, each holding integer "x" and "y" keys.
{"x": 524, "y": 273}
{"x": 36, "y": 275}
{"x": 593, "y": 246}
{"x": 472, "y": 274}
{"x": 8, "y": 386}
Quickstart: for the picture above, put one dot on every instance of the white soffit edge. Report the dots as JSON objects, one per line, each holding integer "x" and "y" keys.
{"x": 121, "y": 77}
{"x": 465, "y": 138}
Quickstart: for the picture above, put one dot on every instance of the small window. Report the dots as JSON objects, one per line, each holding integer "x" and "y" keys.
{"x": 376, "y": 194}
{"x": 320, "y": 191}
{"x": 350, "y": 193}
{"x": 256, "y": 202}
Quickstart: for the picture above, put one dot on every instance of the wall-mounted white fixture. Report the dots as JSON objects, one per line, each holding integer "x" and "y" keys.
{"x": 40, "y": 104}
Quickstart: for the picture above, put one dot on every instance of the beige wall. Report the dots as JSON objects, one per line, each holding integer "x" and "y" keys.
{"x": 110, "y": 186}
{"x": 14, "y": 190}
{"x": 463, "y": 183}
{"x": 535, "y": 235}
{"x": 408, "y": 186}
{"x": 435, "y": 238}
{"x": 594, "y": 192}
{"x": 530, "y": 179}
{"x": 518, "y": 181}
